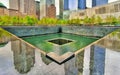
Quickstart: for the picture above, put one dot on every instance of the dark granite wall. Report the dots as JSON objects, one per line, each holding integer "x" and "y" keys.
{"x": 99, "y": 31}
{"x": 32, "y": 30}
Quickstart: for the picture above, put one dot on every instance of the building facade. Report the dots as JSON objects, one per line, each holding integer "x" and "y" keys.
{"x": 51, "y": 11}
{"x": 44, "y": 4}
{"x": 20, "y": 7}
{"x": 9, "y": 4}
{"x": 37, "y": 9}
{"x": 99, "y": 2}
{"x": 81, "y": 4}
{"x": 66, "y": 4}
{"x": 61, "y": 8}
{"x": 111, "y": 9}
{"x": 3, "y": 9}
{"x": 27, "y": 7}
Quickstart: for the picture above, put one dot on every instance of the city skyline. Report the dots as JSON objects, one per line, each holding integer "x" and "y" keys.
{"x": 71, "y": 2}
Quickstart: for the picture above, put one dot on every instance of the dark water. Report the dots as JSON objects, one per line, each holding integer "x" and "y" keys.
{"x": 59, "y": 43}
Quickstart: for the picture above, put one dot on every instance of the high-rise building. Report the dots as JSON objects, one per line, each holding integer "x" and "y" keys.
{"x": 42, "y": 8}
{"x": 51, "y": 11}
{"x": 44, "y": 4}
{"x": 2, "y": 9}
{"x": 81, "y": 4}
{"x": 27, "y": 7}
{"x": 12, "y": 9}
{"x": 20, "y": 7}
{"x": 9, "y": 4}
{"x": 37, "y": 9}
{"x": 61, "y": 8}
{"x": 99, "y": 2}
{"x": 66, "y": 4}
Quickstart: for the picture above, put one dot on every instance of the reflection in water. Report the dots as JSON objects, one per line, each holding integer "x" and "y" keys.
{"x": 4, "y": 37}
{"x": 45, "y": 60}
{"x": 102, "y": 58}
{"x": 91, "y": 59}
{"x": 111, "y": 42}
{"x": 24, "y": 56}
{"x": 75, "y": 65}
{"x": 79, "y": 62}
{"x": 99, "y": 60}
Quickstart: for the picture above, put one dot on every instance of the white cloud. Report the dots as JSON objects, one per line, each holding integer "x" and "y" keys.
{"x": 109, "y": 1}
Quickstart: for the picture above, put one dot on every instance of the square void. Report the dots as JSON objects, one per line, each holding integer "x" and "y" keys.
{"x": 60, "y": 41}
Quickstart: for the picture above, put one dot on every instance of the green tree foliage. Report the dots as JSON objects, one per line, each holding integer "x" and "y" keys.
{"x": 74, "y": 21}
{"x": 111, "y": 20}
{"x": 99, "y": 20}
{"x": 87, "y": 20}
{"x": 31, "y": 20}
{"x": 46, "y": 21}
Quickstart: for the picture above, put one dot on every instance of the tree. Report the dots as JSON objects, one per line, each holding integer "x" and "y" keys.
{"x": 98, "y": 20}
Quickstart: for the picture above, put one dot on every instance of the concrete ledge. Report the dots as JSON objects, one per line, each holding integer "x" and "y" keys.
{"x": 60, "y": 59}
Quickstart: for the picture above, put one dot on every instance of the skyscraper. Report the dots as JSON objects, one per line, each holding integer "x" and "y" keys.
{"x": 44, "y": 4}
{"x": 42, "y": 8}
{"x": 81, "y": 4}
{"x": 9, "y": 4}
{"x": 37, "y": 9}
{"x": 99, "y": 2}
{"x": 27, "y": 7}
{"x": 61, "y": 8}
{"x": 66, "y": 4}
{"x": 51, "y": 11}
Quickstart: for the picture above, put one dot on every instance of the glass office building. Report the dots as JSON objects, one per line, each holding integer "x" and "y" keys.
{"x": 66, "y": 4}
{"x": 81, "y": 4}
{"x": 99, "y": 2}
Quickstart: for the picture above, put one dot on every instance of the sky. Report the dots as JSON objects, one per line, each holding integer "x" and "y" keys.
{"x": 73, "y": 4}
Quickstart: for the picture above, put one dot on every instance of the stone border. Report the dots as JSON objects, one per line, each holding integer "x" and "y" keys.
{"x": 60, "y": 59}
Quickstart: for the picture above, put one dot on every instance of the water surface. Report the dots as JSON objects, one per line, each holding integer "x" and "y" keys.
{"x": 43, "y": 42}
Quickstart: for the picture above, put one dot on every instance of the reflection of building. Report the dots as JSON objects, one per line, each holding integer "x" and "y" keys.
{"x": 81, "y": 4}
{"x": 66, "y": 4}
{"x": 99, "y": 2}
{"x": 38, "y": 9}
{"x": 24, "y": 56}
{"x": 44, "y": 4}
{"x": 51, "y": 11}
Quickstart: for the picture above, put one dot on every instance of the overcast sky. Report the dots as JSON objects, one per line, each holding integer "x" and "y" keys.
{"x": 73, "y": 4}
